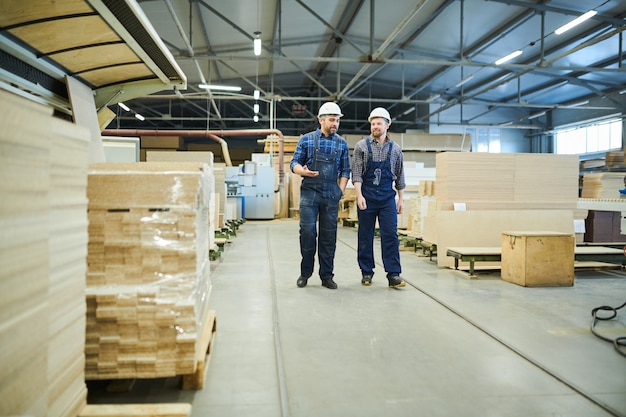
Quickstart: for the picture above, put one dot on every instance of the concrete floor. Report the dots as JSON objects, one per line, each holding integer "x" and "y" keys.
{"x": 442, "y": 346}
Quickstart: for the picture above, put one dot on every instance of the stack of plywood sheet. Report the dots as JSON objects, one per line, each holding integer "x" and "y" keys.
{"x": 499, "y": 192}
{"x": 603, "y": 184}
{"x": 148, "y": 280}
{"x": 43, "y": 245}
{"x": 419, "y": 210}
{"x": 507, "y": 181}
{"x": 272, "y": 144}
{"x": 615, "y": 159}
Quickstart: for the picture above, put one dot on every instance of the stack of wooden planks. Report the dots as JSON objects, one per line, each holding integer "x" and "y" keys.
{"x": 603, "y": 184}
{"x": 43, "y": 245}
{"x": 508, "y": 181}
{"x": 615, "y": 159}
{"x": 148, "y": 280}
{"x": 500, "y": 192}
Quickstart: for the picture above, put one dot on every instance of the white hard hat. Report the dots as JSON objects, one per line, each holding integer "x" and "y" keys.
{"x": 380, "y": 112}
{"x": 329, "y": 108}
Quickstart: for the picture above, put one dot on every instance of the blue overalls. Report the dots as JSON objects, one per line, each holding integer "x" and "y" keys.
{"x": 319, "y": 197}
{"x": 377, "y": 189}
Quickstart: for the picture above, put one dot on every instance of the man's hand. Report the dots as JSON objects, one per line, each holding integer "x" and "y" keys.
{"x": 361, "y": 203}
{"x": 308, "y": 173}
{"x": 400, "y": 206}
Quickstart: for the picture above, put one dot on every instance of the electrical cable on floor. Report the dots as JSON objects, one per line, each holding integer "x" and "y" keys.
{"x": 528, "y": 358}
{"x": 284, "y": 403}
{"x": 620, "y": 341}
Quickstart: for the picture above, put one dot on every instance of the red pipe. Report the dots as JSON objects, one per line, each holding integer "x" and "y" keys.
{"x": 212, "y": 134}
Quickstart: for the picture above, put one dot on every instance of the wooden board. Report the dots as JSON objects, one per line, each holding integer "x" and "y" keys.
{"x": 195, "y": 381}
{"x": 485, "y": 227}
{"x": 135, "y": 410}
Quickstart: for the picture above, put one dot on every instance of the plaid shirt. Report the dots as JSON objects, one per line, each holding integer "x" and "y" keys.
{"x": 359, "y": 162}
{"x": 305, "y": 149}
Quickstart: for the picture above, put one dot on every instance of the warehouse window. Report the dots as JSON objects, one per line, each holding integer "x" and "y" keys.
{"x": 597, "y": 136}
{"x": 487, "y": 140}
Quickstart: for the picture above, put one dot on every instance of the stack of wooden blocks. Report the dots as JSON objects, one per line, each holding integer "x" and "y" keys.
{"x": 43, "y": 245}
{"x": 148, "y": 280}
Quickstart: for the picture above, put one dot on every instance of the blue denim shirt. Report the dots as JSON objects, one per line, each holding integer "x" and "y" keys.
{"x": 305, "y": 149}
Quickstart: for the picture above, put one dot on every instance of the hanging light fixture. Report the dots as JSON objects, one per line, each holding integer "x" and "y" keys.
{"x": 257, "y": 94}
{"x": 509, "y": 57}
{"x": 464, "y": 80}
{"x": 535, "y": 115}
{"x": 575, "y": 22}
{"x": 256, "y": 108}
{"x": 256, "y": 118}
{"x": 220, "y": 87}
{"x": 124, "y": 106}
{"x": 257, "y": 43}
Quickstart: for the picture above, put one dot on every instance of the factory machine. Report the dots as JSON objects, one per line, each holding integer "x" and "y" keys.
{"x": 250, "y": 191}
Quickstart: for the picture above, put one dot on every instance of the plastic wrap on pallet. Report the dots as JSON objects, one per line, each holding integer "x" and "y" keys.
{"x": 148, "y": 280}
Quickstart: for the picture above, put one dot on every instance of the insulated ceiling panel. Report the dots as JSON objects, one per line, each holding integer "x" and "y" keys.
{"x": 108, "y": 45}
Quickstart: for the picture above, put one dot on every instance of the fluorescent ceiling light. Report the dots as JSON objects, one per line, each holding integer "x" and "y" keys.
{"x": 257, "y": 43}
{"x": 257, "y": 94}
{"x": 623, "y": 91}
{"x": 508, "y": 57}
{"x": 407, "y": 111}
{"x": 534, "y": 116}
{"x": 140, "y": 117}
{"x": 509, "y": 123}
{"x": 433, "y": 97}
{"x": 576, "y": 22}
{"x": 220, "y": 87}
{"x": 580, "y": 103}
{"x": 464, "y": 80}
{"x": 124, "y": 106}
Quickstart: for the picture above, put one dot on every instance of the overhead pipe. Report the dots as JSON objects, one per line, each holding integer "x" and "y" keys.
{"x": 224, "y": 145}
{"x": 213, "y": 135}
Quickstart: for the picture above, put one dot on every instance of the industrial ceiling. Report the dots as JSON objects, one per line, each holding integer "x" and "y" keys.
{"x": 427, "y": 61}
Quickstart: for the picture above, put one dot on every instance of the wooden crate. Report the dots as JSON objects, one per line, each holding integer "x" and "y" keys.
{"x": 538, "y": 259}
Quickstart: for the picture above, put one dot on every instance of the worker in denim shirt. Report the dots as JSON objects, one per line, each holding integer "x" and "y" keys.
{"x": 322, "y": 158}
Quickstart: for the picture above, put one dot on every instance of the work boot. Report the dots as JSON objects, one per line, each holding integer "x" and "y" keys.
{"x": 396, "y": 282}
{"x": 302, "y": 281}
{"x": 329, "y": 283}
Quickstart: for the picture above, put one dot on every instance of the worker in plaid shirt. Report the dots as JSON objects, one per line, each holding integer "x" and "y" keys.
{"x": 322, "y": 158}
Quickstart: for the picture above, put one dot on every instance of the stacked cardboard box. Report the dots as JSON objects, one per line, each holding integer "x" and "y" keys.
{"x": 43, "y": 245}
{"x": 148, "y": 279}
{"x": 604, "y": 226}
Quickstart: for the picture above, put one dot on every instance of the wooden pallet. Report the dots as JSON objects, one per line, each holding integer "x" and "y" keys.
{"x": 195, "y": 381}
{"x": 349, "y": 222}
{"x": 136, "y": 410}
